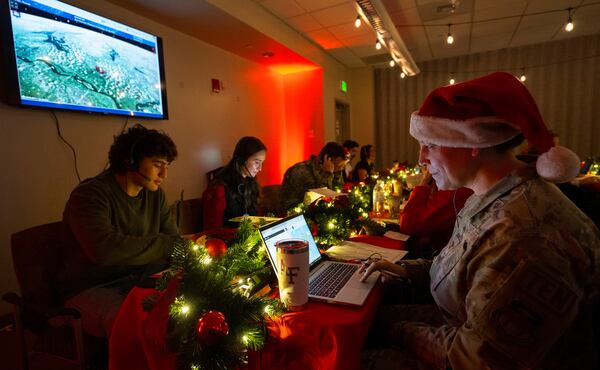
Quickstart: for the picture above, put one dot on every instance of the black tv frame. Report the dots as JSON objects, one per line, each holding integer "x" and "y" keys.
{"x": 11, "y": 76}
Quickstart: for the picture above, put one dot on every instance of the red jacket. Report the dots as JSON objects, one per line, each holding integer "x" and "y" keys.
{"x": 429, "y": 217}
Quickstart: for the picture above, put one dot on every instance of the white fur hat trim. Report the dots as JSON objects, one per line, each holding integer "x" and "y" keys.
{"x": 478, "y": 132}
{"x": 558, "y": 165}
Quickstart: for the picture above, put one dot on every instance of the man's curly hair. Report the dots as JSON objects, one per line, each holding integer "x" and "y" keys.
{"x": 131, "y": 147}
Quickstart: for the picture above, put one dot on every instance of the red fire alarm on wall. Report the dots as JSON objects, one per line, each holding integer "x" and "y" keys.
{"x": 216, "y": 85}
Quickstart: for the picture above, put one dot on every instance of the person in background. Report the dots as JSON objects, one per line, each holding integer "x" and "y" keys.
{"x": 351, "y": 148}
{"x": 324, "y": 170}
{"x": 363, "y": 169}
{"x": 429, "y": 216}
{"x": 518, "y": 281}
{"x": 118, "y": 228}
{"x": 234, "y": 191}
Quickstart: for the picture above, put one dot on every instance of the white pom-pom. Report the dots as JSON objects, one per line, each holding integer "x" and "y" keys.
{"x": 558, "y": 165}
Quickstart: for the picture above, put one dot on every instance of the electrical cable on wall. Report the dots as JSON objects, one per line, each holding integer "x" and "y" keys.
{"x": 67, "y": 143}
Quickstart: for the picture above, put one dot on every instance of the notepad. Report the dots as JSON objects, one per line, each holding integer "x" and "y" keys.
{"x": 349, "y": 250}
{"x": 255, "y": 219}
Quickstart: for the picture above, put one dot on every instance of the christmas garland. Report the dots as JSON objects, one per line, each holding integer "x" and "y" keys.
{"x": 215, "y": 313}
{"x": 333, "y": 220}
{"x": 215, "y": 317}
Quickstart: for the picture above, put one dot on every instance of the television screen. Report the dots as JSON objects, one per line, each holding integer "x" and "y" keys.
{"x": 63, "y": 57}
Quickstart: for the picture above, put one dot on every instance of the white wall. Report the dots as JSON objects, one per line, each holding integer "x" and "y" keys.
{"x": 38, "y": 168}
{"x": 362, "y": 127}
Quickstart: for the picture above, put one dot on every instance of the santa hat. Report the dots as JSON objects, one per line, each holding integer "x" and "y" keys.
{"x": 488, "y": 111}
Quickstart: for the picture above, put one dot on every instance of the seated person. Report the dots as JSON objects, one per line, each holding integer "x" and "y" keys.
{"x": 117, "y": 227}
{"x": 516, "y": 284}
{"x": 364, "y": 168}
{"x": 429, "y": 215}
{"x": 234, "y": 191}
{"x": 320, "y": 171}
{"x": 351, "y": 149}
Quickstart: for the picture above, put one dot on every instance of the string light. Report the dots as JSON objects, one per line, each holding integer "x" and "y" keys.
{"x": 451, "y": 81}
{"x": 486, "y": 20}
{"x": 523, "y": 77}
{"x": 392, "y": 63}
{"x": 378, "y": 45}
{"x": 450, "y": 38}
{"x": 402, "y": 74}
{"x": 357, "y": 22}
{"x": 569, "y": 25}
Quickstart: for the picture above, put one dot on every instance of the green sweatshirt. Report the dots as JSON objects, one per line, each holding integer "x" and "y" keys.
{"x": 109, "y": 234}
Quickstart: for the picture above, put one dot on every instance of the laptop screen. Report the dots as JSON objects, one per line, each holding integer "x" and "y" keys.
{"x": 294, "y": 227}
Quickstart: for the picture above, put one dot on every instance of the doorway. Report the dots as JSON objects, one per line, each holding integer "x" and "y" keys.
{"x": 342, "y": 121}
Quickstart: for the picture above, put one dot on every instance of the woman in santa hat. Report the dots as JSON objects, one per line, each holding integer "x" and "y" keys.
{"x": 516, "y": 284}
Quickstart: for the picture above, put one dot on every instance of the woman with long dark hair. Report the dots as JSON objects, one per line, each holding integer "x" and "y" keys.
{"x": 363, "y": 169}
{"x": 234, "y": 191}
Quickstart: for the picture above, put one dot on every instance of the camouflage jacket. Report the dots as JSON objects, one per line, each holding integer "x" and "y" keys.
{"x": 304, "y": 176}
{"x": 515, "y": 283}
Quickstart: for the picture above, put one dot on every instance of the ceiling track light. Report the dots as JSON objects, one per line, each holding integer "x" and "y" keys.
{"x": 357, "y": 21}
{"x": 378, "y": 44}
{"x": 450, "y": 38}
{"x": 569, "y": 26}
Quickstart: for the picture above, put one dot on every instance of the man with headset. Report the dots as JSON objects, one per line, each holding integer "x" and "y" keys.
{"x": 117, "y": 227}
{"x": 324, "y": 170}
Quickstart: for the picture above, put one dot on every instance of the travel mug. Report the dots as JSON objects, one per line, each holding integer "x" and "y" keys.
{"x": 292, "y": 272}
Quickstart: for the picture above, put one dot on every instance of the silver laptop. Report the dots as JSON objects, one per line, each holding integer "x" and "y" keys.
{"x": 329, "y": 281}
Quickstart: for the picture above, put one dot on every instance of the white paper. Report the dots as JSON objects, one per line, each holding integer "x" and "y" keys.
{"x": 313, "y": 194}
{"x": 349, "y": 250}
{"x": 255, "y": 219}
{"x": 396, "y": 235}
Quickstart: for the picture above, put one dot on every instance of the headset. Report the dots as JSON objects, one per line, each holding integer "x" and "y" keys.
{"x": 132, "y": 162}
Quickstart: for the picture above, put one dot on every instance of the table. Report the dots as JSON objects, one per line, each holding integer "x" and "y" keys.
{"x": 323, "y": 336}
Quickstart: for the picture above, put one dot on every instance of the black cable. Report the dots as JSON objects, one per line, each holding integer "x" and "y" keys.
{"x": 500, "y": 18}
{"x": 67, "y": 143}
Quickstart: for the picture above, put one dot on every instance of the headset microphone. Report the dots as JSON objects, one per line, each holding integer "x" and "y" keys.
{"x": 144, "y": 176}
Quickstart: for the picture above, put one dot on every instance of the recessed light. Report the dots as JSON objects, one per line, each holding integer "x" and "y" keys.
{"x": 268, "y": 54}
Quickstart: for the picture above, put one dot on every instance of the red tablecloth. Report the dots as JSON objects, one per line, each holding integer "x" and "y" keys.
{"x": 322, "y": 336}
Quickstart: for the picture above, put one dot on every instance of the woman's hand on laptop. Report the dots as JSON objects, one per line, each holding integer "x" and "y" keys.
{"x": 388, "y": 269}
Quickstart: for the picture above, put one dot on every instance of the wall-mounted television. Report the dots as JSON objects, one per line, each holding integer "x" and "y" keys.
{"x": 59, "y": 56}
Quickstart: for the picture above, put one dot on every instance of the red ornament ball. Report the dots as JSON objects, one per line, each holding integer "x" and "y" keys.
{"x": 215, "y": 247}
{"x": 211, "y": 327}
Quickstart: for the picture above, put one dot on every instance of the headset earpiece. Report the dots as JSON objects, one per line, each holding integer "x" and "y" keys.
{"x": 132, "y": 162}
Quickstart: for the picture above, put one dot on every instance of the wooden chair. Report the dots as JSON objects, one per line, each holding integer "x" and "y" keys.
{"x": 210, "y": 175}
{"x": 188, "y": 215}
{"x": 37, "y": 260}
{"x": 269, "y": 201}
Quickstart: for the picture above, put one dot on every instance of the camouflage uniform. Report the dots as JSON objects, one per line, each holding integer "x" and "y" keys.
{"x": 515, "y": 284}
{"x": 303, "y": 176}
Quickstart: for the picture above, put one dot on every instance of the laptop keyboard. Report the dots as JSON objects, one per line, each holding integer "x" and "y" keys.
{"x": 331, "y": 280}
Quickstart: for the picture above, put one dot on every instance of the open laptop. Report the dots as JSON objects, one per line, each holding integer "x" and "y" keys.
{"x": 329, "y": 281}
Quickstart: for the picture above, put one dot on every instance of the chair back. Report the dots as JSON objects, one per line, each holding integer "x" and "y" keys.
{"x": 210, "y": 175}
{"x": 37, "y": 255}
{"x": 188, "y": 215}
{"x": 269, "y": 201}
